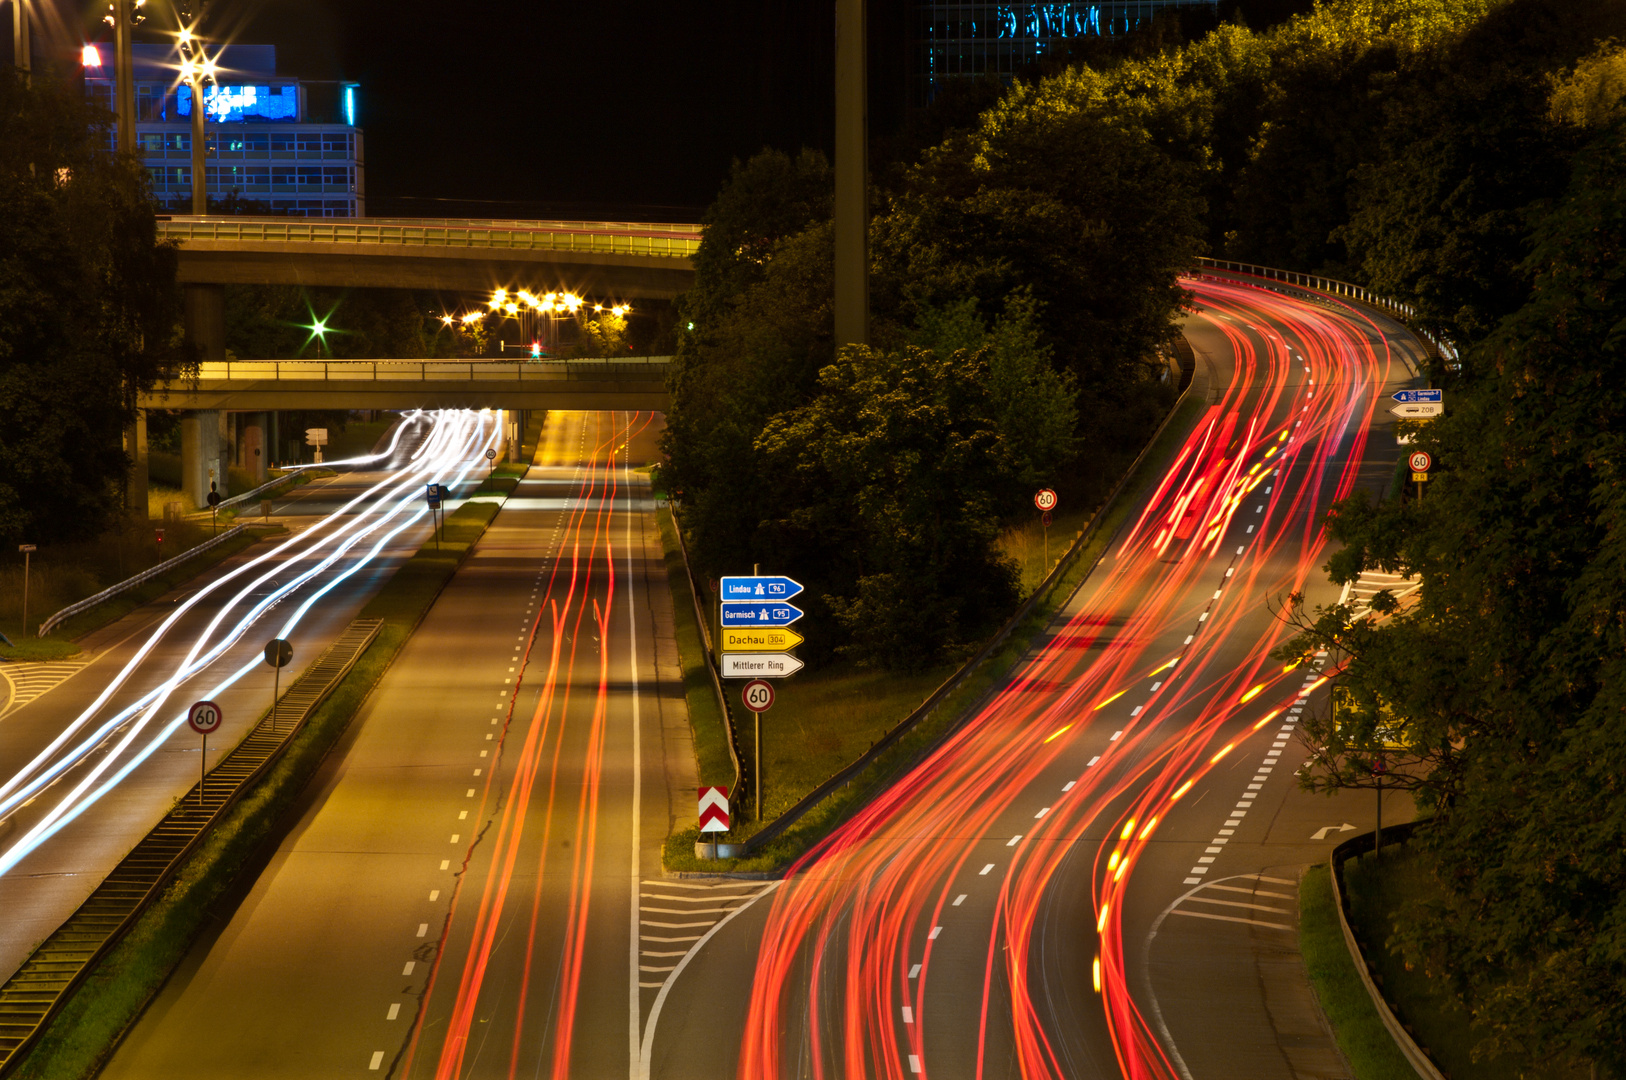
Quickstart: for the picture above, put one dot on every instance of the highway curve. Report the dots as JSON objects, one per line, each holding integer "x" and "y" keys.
{"x": 1097, "y": 874}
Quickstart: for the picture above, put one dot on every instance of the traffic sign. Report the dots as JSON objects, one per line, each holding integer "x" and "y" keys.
{"x": 1420, "y": 461}
{"x": 750, "y": 665}
{"x": 714, "y": 809}
{"x": 316, "y": 436}
{"x": 1406, "y": 397}
{"x": 758, "y": 696}
{"x": 1423, "y": 410}
{"x": 278, "y": 652}
{"x": 1045, "y": 518}
{"x": 204, "y": 717}
{"x": 760, "y": 639}
{"x": 1419, "y": 477}
{"x": 25, "y": 548}
{"x": 214, "y": 498}
{"x": 1045, "y": 499}
{"x": 759, "y": 614}
{"x": 432, "y": 494}
{"x": 491, "y": 455}
{"x": 760, "y": 588}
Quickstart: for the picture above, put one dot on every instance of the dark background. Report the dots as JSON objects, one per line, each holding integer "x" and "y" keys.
{"x": 528, "y": 108}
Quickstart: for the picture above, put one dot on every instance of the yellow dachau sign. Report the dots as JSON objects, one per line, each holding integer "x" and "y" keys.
{"x": 742, "y": 639}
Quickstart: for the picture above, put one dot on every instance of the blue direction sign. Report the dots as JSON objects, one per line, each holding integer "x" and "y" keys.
{"x": 759, "y": 614}
{"x": 760, "y": 588}
{"x": 1407, "y": 397}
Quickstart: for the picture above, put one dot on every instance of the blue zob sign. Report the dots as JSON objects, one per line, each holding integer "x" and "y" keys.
{"x": 759, "y": 614}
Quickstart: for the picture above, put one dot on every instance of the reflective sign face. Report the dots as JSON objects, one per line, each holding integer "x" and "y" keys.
{"x": 1045, "y": 499}
{"x": 204, "y": 717}
{"x": 1420, "y": 461}
{"x": 758, "y": 696}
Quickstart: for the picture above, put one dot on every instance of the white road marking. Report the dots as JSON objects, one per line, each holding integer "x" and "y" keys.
{"x": 914, "y": 972}
{"x": 1093, "y": 760}
{"x": 1013, "y": 841}
{"x": 476, "y": 772}
{"x": 933, "y": 935}
{"x": 445, "y": 864}
{"x": 958, "y": 900}
{"x": 1069, "y": 785}
{"x": 908, "y": 1015}
{"x": 395, "y": 1011}
{"x": 423, "y": 929}
{"x": 1189, "y": 637}
{"x": 434, "y": 894}
{"x": 1229, "y": 918}
{"x": 463, "y": 816}
{"x": 408, "y": 969}
{"x": 1116, "y": 735}
{"x": 914, "y": 1063}
{"x": 984, "y": 871}
{"x": 469, "y": 794}
{"x": 455, "y": 837}
{"x": 378, "y": 1060}
{"x": 1041, "y": 813}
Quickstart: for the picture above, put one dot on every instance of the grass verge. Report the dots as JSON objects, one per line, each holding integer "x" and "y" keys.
{"x": 841, "y": 702}
{"x": 1379, "y": 885}
{"x": 84, "y": 1034}
{"x": 1366, "y": 1043}
{"x": 705, "y": 719}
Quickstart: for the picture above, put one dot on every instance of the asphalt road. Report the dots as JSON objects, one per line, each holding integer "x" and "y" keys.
{"x": 51, "y": 879}
{"x": 1097, "y": 875}
{"x": 463, "y": 894}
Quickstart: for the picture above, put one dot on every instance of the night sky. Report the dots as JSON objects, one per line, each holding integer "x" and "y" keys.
{"x": 543, "y": 108}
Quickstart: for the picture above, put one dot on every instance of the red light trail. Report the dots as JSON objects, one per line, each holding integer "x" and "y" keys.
{"x": 851, "y": 936}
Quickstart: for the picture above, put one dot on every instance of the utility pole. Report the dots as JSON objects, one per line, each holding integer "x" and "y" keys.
{"x": 19, "y": 36}
{"x": 200, "y": 155}
{"x": 124, "y": 76}
{"x": 852, "y": 175}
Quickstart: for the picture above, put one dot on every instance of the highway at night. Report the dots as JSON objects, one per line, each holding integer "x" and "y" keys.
{"x": 1096, "y": 875}
{"x": 95, "y": 762}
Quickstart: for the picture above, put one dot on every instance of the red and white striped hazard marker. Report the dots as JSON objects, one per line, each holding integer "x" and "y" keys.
{"x": 714, "y": 809}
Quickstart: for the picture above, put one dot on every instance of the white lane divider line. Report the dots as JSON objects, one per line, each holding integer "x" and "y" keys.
{"x": 908, "y": 1015}
{"x": 423, "y": 929}
{"x": 984, "y": 871}
{"x": 445, "y": 864}
{"x": 958, "y": 900}
{"x": 1093, "y": 760}
{"x": 377, "y": 1062}
{"x": 914, "y": 971}
{"x": 395, "y": 1011}
{"x": 933, "y": 935}
{"x": 456, "y": 837}
{"x": 1041, "y": 813}
{"x": 1013, "y": 841}
{"x": 410, "y": 964}
{"x": 914, "y": 1063}
{"x": 1068, "y": 786}
{"x": 434, "y": 894}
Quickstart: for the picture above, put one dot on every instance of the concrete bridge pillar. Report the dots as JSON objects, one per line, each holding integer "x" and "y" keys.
{"x": 205, "y": 324}
{"x": 200, "y": 455}
{"x": 135, "y": 446}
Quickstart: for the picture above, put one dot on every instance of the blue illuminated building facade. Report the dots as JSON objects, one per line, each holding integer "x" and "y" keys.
{"x": 957, "y": 40}
{"x": 288, "y": 144}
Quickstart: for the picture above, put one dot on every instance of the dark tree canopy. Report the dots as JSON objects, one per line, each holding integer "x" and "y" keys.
{"x": 88, "y": 312}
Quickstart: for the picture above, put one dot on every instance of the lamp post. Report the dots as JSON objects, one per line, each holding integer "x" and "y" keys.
{"x": 196, "y": 67}
{"x": 19, "y": 37}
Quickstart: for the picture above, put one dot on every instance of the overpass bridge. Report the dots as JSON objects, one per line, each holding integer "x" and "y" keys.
{"x": 624, "y": 260}
{"x": 230, "y": 407}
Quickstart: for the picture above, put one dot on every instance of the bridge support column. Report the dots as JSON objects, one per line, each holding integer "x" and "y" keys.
{"x": 200, "y": 455}
{"x": 205, "y": 325}
{"x": 252, "y": 446}
{"x": 135, "y": 446}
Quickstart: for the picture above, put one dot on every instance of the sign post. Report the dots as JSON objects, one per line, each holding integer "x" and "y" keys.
{"x": 1045, "y": 500}
{"x": 491, "y": 456}
{"x": 28, "y": 554}
{"x": 758, "y": 697}
{"x": 317, "y": 437}
{"x": 204, "y": 718}
{"x": 277, "y": 653}
{"x": 1420, "y": 463}
{"x": 214, "y": 507}
{"x": 432, "y": 494}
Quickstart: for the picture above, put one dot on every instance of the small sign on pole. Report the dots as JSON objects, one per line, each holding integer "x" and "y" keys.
{"x": 1045, "y": 499}
{"x": 278, "y": 652}
{"x": 714, "y": 810}
{"x": 758, "y": 696}
{"x": 204, "y": 717}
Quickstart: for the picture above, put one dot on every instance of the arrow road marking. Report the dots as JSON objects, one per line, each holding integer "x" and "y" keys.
{"x": 1321, "y": 834}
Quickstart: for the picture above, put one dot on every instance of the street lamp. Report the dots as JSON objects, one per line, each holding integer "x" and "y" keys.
{"x": 196, "y": 67}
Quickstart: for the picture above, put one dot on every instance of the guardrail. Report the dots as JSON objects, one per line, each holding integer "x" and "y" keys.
{"x": 1355, "y": 847}
{"x": 1334, "y": 287}
{"x": 427, "y": 370}
{"x": 129, "y": 583}
{"x": 593, "y": 237}
{"x": 250, "y": 494}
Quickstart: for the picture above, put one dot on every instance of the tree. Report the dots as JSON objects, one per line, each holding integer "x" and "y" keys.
{"x": 89, "y": 311}
{"x": 898, "y": 464}
{"x": 1504, "y": 682}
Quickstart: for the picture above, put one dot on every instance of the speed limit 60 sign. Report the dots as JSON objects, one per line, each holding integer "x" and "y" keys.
{"x": 1045, "y": 499}
{"x": 758, "y": 695}
{"x": 1420, "y": 461}
{"x": 204, "y": 717}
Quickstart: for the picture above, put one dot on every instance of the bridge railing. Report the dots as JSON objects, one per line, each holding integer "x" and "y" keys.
{"x": 594, "y": 237}
{"x": 648, "y": 367}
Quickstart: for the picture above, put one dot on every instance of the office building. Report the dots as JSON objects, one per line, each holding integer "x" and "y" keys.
{"x": 952, "y": 39}
{"x": 275, "y": 142}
